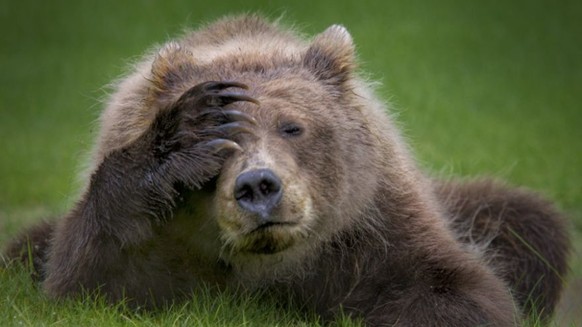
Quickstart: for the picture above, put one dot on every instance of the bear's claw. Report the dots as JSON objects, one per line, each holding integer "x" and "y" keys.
{"x": 208, "y": 94}
{"x": 219, "y": 145}
{"x": 233, "y": 128}
{"x": 226, "y": 115}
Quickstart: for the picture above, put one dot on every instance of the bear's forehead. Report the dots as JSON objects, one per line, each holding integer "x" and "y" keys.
{"x": 279, "y": 101}
{"x": 291, "y": 97}
{"x": 245, "y": 55}
{"x": 256, "y": 72}
{"x": 277, "y": 79}
{"x": 292, "y": 86}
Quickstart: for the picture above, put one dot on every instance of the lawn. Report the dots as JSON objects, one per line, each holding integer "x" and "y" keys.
{"x": 490, "y": 88}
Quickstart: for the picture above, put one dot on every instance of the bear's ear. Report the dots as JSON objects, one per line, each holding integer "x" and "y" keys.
{"x": 171, "y": 65}
{"x": 331, "y": 55}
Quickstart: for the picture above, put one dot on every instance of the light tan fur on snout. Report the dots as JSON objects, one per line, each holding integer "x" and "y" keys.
{"x": 294, "y": 214}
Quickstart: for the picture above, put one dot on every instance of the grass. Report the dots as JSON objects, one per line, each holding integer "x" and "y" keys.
{"x": 488, "y": 88}
{"x": 25, "y": 307}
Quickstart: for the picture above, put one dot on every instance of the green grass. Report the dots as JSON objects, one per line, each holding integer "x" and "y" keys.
{"x": 488, "y": 88}
{"x": 23, "y": 305}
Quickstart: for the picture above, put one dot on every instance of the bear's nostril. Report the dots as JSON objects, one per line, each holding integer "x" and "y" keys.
{"x": 258, "y": 191}
{"x": 264, "y": 188}
{"x": 244, "y": 193}
{"x": 268, "y": 186}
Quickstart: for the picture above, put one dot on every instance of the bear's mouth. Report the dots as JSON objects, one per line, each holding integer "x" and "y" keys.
{"x": 272, "y": 224}
{"x": 269, "y": 238}
{"x": 268, "y": 245}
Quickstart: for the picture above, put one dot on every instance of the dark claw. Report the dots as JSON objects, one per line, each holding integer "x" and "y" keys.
{"x": 205, "y": 87}
{"x": 212, "y": 87}
{"x": 228, "y": 115}
{"x": 219, "y": 145}
{"x": 218, "y": 86}
{"x": 235, "y": 115}
{"x": 222, "y": 99}
{"x": 233, "y": 129}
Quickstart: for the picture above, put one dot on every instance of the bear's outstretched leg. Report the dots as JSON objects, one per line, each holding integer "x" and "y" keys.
{"x": 521, "y": 235}
{"x": 30, "y": 248}
{"x": 103, "y": 243}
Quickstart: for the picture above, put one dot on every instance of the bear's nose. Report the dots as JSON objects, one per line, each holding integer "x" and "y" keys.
{"x": 258, "y": 191}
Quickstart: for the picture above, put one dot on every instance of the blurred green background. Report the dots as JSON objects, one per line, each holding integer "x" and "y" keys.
{"x": 480, "y": 87}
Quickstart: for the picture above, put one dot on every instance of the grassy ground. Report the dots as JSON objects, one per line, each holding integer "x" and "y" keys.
{"x": 490, "y": 88}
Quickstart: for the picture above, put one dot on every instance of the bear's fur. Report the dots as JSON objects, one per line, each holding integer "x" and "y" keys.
{"x": 286, "y": 175}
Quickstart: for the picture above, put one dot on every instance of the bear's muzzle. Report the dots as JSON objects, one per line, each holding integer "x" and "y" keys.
{"x": 258, "y": 192}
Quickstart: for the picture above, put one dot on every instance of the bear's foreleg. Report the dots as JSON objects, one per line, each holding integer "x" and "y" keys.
{"x": 104, "y": 243}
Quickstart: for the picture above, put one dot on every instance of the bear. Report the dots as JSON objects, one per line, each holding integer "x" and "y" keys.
{"x": 243, "y": 156}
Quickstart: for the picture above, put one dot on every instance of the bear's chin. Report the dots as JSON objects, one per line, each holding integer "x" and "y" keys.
{"x": 267, "y": 240}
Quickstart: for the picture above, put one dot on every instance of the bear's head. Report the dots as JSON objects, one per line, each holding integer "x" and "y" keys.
{"x": 314, "y": 160}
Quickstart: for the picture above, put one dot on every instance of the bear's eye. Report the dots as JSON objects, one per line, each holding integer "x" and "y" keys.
{"x": 291, "y": 130}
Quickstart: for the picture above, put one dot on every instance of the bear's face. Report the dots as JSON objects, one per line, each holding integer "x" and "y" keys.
{"x": 273, "y": 194}
{"x": 300, "y": 172}
{"x": 300, "y": 176}
{"x": 311, "y": 162}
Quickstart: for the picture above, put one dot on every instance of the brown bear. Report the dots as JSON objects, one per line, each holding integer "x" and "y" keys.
{"x": 242, "y": 155}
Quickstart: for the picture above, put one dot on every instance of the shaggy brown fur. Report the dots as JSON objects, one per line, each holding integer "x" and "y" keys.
{"x": 515, "y": 232}
{"x": 287, "y": 176}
